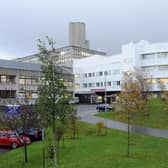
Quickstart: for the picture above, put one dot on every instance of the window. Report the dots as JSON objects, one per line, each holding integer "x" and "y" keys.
{"x": 85, "y": 75}
{"x": 22, "y": 81}
{"x": 90, "y": 74}
{"x": 28, "y": 81}
{"x": 100, "y": 73}
{"x": 163, "y": 55}
{"x": 148, "y": 56}
{"x": 34, "y": 95}
{"x": 149, "y": 68}
{"x": 97, "y": 84}
{"x": 118, "y": 83}
{"x": 34, "y": 81}
{"x": 93, "y": 74}
{"x": 105, "y": 73}
{"x": 109, "y": 83}
{"x": 77, "y": 85}
{"x": 85, "y": 85}
{"x": 115, "y": 72}
{"x": 90, "y": 84}
{"x": 77, "y": 75}
{"x": 163, "y": 67}
{"x": 104, "y": 83}
{"x": 3, "y": 79}
{"x": 101, "y": 83}
{"x": 164, "y": 80}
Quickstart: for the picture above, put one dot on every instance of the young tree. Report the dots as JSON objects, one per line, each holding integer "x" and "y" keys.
{"x": 134, "y": 95}
{"x": 52, "y": 92}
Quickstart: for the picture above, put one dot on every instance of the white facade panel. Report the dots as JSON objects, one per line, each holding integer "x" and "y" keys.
{"x": 93, "y": 72}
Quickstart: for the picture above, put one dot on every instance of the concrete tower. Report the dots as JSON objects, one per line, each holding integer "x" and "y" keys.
{"x": 77, "y": 34}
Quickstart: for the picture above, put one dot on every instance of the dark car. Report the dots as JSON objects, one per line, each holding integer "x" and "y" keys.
{"x": 12, "y": 139}
{"x": 35, "y": 134}
{"x": 104, "y": 107}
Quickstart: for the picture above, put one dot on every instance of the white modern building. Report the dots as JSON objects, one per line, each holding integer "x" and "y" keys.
{"x": 98, "y": 74}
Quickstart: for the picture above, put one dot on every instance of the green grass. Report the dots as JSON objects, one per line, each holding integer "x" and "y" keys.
{"x": 92, "y": 151}
{"x": 157, "y": 118}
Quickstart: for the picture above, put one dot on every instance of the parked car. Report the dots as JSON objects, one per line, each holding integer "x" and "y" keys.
{"x": 35, "y": 134}
{"x": 104, "y": 107}
{"x": 12, "y": 139}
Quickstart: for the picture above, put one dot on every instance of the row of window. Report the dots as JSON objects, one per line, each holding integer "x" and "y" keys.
{"x": 101, "y": 73}
{"x": 28, "y": 81}
{"x": 151, "y": 55}
{"x": 7, "y": 79}
{"x": 99, "y": 84}
{"x": 158, "y": 80}
{"x": 160, "y": 68}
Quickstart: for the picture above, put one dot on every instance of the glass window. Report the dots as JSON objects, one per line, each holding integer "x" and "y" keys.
{"x": 77, "y": 85}
{"x": 34, "y": 81}
{"x": 109, "y": 83}
{"x": 148, "y": 56}
{"x": 90, "y": 84}
{"x": 28, "y": 81}
{"x": 85, "y": 85}
{"x": 85, "y": 75}
{"x": 105, "y": 73}
{"x": 3, "y": 79}
{"x": 163, "y": 67}
{"x": 22, "y": 81}
{"x": 97, "y": 84}
{"x": 34, "y": 95}
{"x": 77, "y": 75}
{"x": 118, "y": 83}
{"x": 100, "y": 73}
{"x": 90, "y": 74}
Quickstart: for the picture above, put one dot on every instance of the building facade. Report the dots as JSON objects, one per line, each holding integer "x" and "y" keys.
{"x": 97, "y": 74}
{"x": 19, "y": 82}
{"x": 77, "y": 35}
{"x": 66, "y": 55}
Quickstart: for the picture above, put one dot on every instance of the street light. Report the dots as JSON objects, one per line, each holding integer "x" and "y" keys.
{"x": 105, "y": 101}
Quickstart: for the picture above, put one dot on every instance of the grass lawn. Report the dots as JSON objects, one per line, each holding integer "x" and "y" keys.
{"x": 158, "y": 118}
{"x": 92, "y": 151}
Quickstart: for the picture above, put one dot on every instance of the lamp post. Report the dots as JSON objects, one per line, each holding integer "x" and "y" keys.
{"x": 105, "y": 101}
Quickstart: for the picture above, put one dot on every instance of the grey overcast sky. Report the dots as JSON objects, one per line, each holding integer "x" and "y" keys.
{"x": 109, "y": 23}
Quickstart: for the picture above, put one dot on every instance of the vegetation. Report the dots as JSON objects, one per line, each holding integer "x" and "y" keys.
{"x": 158, "y": 117}
{"x": 95, "y": 151}
{"x": 53, "y": 100}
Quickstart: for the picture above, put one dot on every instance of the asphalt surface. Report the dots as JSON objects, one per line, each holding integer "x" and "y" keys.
{"x": 86, "y": 110}
{"x": 86, "y": 113}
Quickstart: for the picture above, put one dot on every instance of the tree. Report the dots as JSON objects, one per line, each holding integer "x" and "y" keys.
{"x": 134, "y": 96}
{"x": 52, "y": 100}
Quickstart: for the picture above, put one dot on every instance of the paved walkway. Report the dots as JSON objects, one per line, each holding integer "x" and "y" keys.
{"x": 124, "y": 127}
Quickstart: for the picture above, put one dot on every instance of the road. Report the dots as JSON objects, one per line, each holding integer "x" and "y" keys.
{"x": 86, "y": 110}
{"x": 86, "y": 113}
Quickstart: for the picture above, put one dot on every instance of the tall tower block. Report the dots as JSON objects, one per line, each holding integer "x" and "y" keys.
{"x": 77, "y": 35}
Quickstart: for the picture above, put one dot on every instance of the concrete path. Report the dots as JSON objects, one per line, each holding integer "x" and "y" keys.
{"x": 124, "y": 127}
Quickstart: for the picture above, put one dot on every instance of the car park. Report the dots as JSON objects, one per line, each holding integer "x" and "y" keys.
{"x": 104, "y": 108}
{"x": 12, "y": 139}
